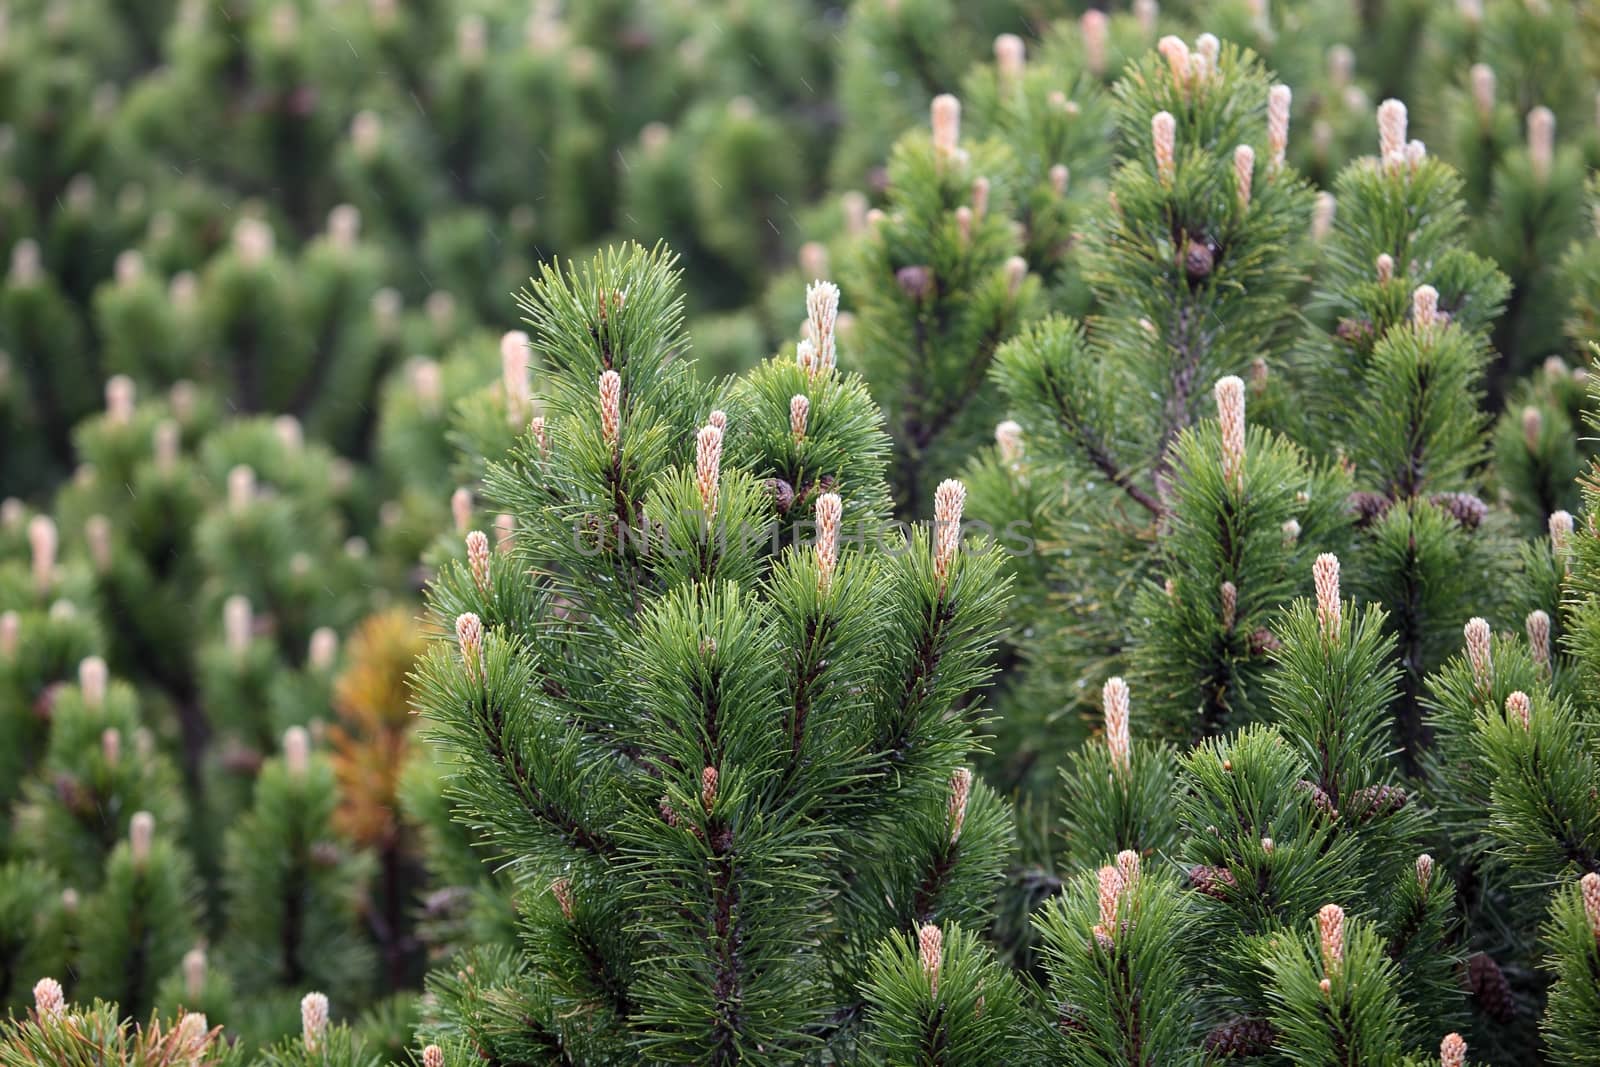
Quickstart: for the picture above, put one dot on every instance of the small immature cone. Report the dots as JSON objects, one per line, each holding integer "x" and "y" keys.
{"x": 1059, "y": 176}
{"x": 344, "y": 226}
{"x": 1230, "y": 604}
{"x": 1244, "y": 169}
{"x": 237, "y": 625}
{"x": 313, "y": 1020}
{"x": 1267, "y": 844}
{"x": 610, "y": 406}
{"x": 946, "y": 117}
{"x": 948, "y": 501}
{"x": 1330, "y": 937}
{"x": 1532, "y": 427}
{"x": 561, "y": 889}
{"x": 10, "y": 634}
{"x": 830, "y": 512}
{"x": 514, "y": 376}
{"x": 1093, "y": 27}
{"x": 469, "y": 634}
{"x": 141, "y": 832}
{"x": 1291, "y": 532}
{"x": 1108, "y": 898}
{"x": 1016, "y": 273}
{"x": 1176, "y": 54}
{"x": 323, "y": 648}
{"x": 129, "y": 268}
{"x": 49, "y": 1002}
{"x": 92, "y": 681}
{"x": 120, "y": 398}
{"x": 1209, "y": 47}
{"x": 191, "y": 1038}
{"x": 1424, "y": 870}
{"x": 97, "y": 531}
{"x": 980, "y": 196}
{"x": 1560, "y": 527}
{"x": 1425, "y": 306}
{"x": 252, "y": 241}
{"x": 1128, "y": 869}
{"x": 1541, "y": 142}
{"x": 708, "y": 788}
{"x": 1325, "y": 576}
{"x": 194, "y": 973}
{"x": 1322, "y": 216}
{"x": 1145, "y": 12}
{"x": 1391, "y": 132}
{"x": 478, "y": 559}
{"x": 1483, "y": 90}
{"x": 814, "y": 259}
{"x": 1385, "y": 268}
{"x": 166, "y": 441}
{"x": 1341, "y": 64}
{"x": 386, "y": 305}
{"x": 42, "y": 542}
{"x": 964, "y": 223}
{"x": 505, "y": 530}
{"x": 461, "y": 509}
{"x": 1163, "y": 136}
{"x": 960, "y": 793}
{"x": 1008, "y": 439}
{"x": 719, "y": 419}
{"x": 536, "y": 424}
{"x": 1010, "y": 55}
{"x": 25, "y": 266}
{"x": 111, "y": 746}
{"x": 1519, "y": 709}
{"x": 930, "y": 946}
{"x": 799, "y": 412}
{"x": 1452, "y": 1051}
{"x": 433, "y": 1056}
{"x": 296, "y": 751}
{"x": 1114, "y": 696}
{"x": 427, "y": 386}
{"x": 1477, "y": 634}
{"x": 805, "y": 354}
{"x": 1229, "y": 393}
{"x": 241, "y": 488}
{"x": 822, "y": 316}
{"x": 1589, "y": 886}
{"x": 707, "y": 468}
{"x": 1538, "y": 626}
{"x": 854, "y": 206}
{"x": 1279, "y": 97}
{"x": 1416, "y": 153}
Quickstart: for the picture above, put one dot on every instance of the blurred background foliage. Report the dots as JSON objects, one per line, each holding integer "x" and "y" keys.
{"x": 261, "y": 255}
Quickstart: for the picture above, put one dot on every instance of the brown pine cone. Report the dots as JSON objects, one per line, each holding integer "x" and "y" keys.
{"x": 1211, "y": 880}
{"x": 1069, "y": 1019}
{"x": 1319, "y": 797}
{"x": 44, "y": 705}
{"x": 1465, "y": 508}
{"x": 1241, "y": 1036}
{"x": 71, "y": 794}
{"x": 782, "y": 493}
{"x": 1378, "y": 800}
{"x": 1490, "y": 989}
{"x": 1264, "y": 641}
{"x": 1367, "y": 508}
{"x": 915, "y": 281}
{"x": 1198, "y": 261}
{"x": 1354, "y": 331}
